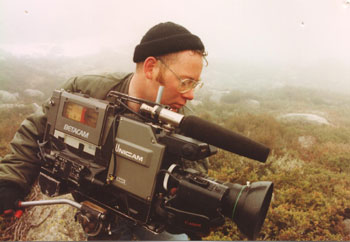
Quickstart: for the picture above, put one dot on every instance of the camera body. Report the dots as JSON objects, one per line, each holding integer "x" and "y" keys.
{"x": 131, "y": 165}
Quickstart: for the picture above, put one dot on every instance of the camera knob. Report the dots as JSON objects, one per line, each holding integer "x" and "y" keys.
{"x": 188, "y": 150}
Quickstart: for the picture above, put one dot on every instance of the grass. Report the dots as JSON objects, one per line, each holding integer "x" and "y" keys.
{"x": 311, "y": 196}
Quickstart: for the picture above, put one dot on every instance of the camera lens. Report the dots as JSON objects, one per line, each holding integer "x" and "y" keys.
{"x": 247, "y": 205}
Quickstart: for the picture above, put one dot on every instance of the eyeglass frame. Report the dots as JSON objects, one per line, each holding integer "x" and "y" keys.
{"x": 182, "y": 80}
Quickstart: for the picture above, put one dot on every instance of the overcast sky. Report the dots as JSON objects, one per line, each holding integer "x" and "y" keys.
{"x": 298, "y": 34}
{"x": 270, "y": 29}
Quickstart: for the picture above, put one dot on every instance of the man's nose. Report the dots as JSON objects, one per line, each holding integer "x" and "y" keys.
{"x": 188, "y": 95}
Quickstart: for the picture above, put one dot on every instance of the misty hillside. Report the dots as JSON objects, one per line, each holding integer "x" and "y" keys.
{"x": 261, "y": 75}
{"x": 47, "y": 72}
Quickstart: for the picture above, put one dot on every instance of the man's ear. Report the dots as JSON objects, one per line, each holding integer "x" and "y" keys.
{"x": 151, "y": 68}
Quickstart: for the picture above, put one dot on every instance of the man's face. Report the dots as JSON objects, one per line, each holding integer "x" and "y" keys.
{"x": 186, "y": 64}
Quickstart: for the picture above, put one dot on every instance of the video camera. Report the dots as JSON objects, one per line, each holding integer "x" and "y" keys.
{"x": 117, "y": 162}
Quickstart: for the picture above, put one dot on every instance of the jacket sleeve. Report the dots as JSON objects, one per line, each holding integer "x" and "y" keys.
{"x": 21, "y": 165}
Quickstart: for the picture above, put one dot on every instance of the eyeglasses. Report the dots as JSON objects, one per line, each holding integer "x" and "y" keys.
{"x": 186, "y": 84}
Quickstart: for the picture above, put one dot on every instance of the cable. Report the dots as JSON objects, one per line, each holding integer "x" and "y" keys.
{"x": 133, "y": 112}
{"x": 114, "y": 144}
{"x": 239, "y": 195}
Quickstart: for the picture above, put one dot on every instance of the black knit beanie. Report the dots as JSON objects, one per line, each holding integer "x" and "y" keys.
{"x": 165, "y": 38}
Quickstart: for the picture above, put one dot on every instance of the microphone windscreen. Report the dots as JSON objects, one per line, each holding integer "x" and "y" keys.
{"x": 223, "y": 138}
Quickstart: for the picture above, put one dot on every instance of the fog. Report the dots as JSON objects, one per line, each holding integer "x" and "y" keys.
{"x": 251, "y": 43}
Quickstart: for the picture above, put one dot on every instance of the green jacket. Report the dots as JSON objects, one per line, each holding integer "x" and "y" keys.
{"x": 22, "y": 165}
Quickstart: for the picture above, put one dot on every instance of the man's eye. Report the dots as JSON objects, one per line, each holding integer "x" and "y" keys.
{"x": 188, "y": 82}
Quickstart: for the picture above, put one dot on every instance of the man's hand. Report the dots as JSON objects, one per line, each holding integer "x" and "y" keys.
{"x": 10, "y": 194}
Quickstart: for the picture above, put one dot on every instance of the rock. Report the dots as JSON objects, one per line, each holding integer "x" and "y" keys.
{"x": 346, "y": 224}
{"x": 8, "y": 106}
{"x": 33, "y": 93}
{"x": 306, "y": 141}
{"x": 50, "y": 222}
{"x": 54, "y": 223}
{"x": 7, "y": 97}
{"x": 12, "y": 105}
{"x": 251, "y": 103}
{"x": 305, "y": 117}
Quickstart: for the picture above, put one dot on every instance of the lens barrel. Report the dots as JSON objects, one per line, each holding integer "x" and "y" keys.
{"x": 247, "y": 205}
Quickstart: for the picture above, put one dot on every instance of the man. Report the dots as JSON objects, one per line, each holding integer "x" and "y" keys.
{"x": 168, "y": 55}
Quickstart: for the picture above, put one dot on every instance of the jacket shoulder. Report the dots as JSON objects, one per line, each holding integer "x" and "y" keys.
{"x": 96, "y": 86}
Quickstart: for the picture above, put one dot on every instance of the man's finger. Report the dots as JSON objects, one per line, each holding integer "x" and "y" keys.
{"x": 18, "y": 213}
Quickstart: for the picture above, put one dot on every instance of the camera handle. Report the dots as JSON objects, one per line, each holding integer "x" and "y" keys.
{"x": 91, "y": 216}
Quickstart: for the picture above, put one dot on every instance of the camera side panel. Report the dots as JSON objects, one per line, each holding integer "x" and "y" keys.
{"x": 139, "y": 158}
